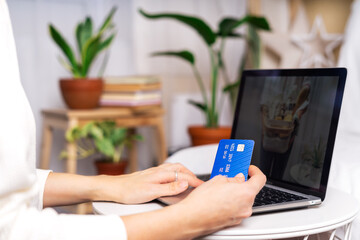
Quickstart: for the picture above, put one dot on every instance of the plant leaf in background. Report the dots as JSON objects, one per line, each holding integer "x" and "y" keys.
{"x": 100, "y": 137}
{"x": 185, "y": 55}
{"x": 254, "y": 45}
{"x": 72, "y": 134}
{"x": 89, "y": 44}
{"x": 231, "y": 86}
{"x": 83, "y": 33}
{"x": 108, "y": 21}
{"x": 106, "y": 43}
{"x": 202, "y": 28}
{"x": 118, "y": 135}
{"x": 228, "y": 25}
{"x": 96, "y": 132}
{"x": 65, "y": 47}
{"x": 89, "y": 52}
{"x": 107, "y": 127}
{"x": 105, "y": 146}
{"x": 201, "y": 106}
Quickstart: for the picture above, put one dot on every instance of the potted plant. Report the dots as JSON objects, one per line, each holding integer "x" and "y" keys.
{"x": 80, "y": 91}
{"x": 105, "y": 141}
{"x": 215, "y": 42}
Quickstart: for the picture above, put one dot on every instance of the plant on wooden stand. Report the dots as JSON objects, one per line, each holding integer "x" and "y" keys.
{"x": 84, "y": 94}
{"x": 215, "y": 42}
{"x": 102, "y": 139}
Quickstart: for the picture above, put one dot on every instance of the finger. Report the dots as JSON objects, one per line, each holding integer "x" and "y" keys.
{"x": 257, "y": 178}
{"x": 239, "y": 178}
{"x": 170, "y": 176}
{"x": 172, "y": 188}
{"x": 192, "y": 180}
{"x": 178, "y": 167}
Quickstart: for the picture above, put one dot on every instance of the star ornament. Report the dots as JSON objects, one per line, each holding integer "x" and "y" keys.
{"x": 318, "y": 46}
{"x": 281, "y": 45}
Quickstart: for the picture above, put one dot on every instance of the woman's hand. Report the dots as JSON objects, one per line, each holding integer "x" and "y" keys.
{"x": 222, "y": 201}
{"x": 216, "y": 204}
{"x": 144, "y": 186}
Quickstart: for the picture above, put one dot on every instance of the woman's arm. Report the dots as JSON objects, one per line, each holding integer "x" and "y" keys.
{"x": 213, "y": 205}
{"x": 138, "y": 187}
{"x": 218, "y": 203}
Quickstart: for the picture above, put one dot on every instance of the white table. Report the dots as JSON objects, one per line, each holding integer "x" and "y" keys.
{"x": 339, "y": 209}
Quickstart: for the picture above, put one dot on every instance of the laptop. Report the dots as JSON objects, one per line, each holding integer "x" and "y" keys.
{"x": 292, "y": 115}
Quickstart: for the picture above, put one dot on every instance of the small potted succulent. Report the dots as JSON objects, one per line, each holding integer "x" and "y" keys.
{"x": 105, "y": 141}
{"x": 80, "y": 91}
{"x": 211, "y": 132}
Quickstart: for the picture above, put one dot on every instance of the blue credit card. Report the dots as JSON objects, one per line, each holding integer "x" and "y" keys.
{"x": 233, "y": 156}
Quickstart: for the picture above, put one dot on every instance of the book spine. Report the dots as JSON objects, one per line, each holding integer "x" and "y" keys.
{"x": 131, "y": 88}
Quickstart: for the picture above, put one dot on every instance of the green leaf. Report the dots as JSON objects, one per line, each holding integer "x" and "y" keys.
{"x": 105, "y": 147}
{"x": 64, "y": 46}
{"x": 83, "y": 32}
{"x": 63, "y": 154}
{"x": 107, "y": 22}
{"x": 96, "y": 132}
{"x": 185, "y": 55}
{"x": 201, "y": 106}
{"x": 107, "y": 127}
{"x": 137, "y": 137}
{"x": 196, "y": 23}
{"x": 106, "y": 43}
{"x": 232, "y": 35}
{"x": 228, "y": 25}
{"x": 86, "y": 129}
{"x": 231, "y": 86}
{"x": 118, "y": 135}
{"x": 254, "y": 45}
{"x": 90, "y": 50}
{"x": 65, "y": 64}
{"x": 73, "y": 134}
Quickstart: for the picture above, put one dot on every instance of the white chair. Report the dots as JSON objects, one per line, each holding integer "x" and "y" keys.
{"x": 198, "y": 159}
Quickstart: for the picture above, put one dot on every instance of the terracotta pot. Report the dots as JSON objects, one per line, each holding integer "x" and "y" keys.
{"x": 81, "y": 93}
{"x": 111, "y": 168}
{"x": 201, "y": 135}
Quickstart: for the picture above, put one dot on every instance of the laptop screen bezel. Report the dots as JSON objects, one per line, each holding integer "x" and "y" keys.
{"x": 313, "y": 72}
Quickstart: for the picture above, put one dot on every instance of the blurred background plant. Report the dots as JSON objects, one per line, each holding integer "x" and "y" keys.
{"x": 100, "y": 138}
{"x": 90, "y": 44}
{"x": 215, "y": 41}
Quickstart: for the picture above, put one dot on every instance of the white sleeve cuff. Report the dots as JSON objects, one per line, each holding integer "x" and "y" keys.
{"x": 41, "y": 180}
{"x": 47, "y": 224}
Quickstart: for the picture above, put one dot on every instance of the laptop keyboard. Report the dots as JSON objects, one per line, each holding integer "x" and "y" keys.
{"x": 203, "y": 177}
{"x": 269, "y": 196}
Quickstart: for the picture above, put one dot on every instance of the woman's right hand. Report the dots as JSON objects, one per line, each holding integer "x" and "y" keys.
{"x": 222, "y": 201}
{"x": 218, "y": 203}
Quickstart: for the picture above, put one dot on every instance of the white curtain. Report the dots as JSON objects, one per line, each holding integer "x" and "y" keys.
{"x": 345, "y": 168}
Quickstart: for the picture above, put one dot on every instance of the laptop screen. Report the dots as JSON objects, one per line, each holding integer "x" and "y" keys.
{"x": 292, "y": 116}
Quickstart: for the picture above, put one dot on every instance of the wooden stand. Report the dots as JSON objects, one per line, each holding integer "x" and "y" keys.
{"x": 126, "y": 117}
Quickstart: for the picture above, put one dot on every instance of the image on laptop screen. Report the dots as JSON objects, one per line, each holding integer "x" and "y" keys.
{"x": 289, "y": 118}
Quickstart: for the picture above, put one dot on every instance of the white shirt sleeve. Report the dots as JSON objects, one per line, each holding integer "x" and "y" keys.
{"x": 41, "y": 180}
{"x": 47, "y": 224}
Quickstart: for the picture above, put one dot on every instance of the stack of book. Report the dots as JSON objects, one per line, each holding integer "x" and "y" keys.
{"x": 131, "y": 91}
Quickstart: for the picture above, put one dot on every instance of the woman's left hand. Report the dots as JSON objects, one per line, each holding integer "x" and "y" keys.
{"x": 143, "y": 186}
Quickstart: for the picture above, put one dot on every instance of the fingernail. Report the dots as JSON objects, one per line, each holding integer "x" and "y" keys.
{"x": 183, "y": 184}
{"x": 241, "y": 175}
